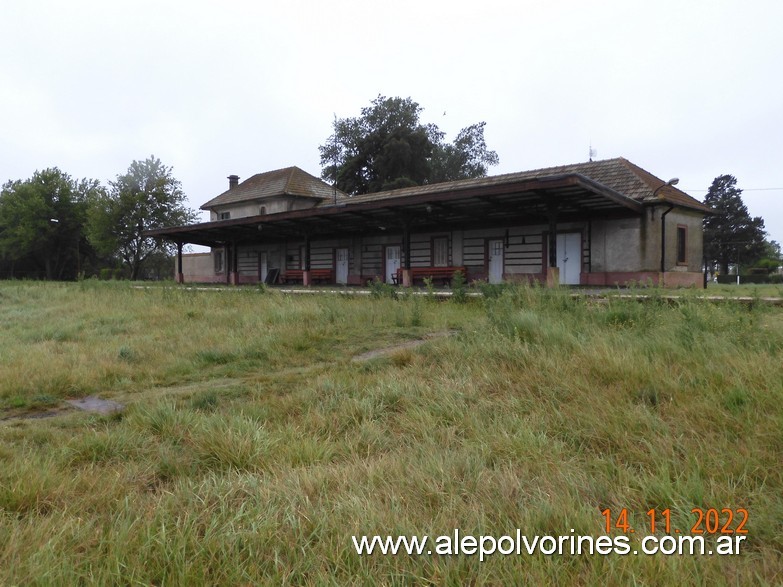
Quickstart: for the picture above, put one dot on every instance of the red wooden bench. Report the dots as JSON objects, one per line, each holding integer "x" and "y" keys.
{"x": 444, "y": 274}
{"x": 297, "y": 275}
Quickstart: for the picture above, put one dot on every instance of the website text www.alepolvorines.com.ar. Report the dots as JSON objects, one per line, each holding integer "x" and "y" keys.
{"x": 519, "y": 544}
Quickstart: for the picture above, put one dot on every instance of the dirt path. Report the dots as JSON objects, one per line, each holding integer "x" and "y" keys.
{"x": 410, "y": 344}
{"x": 96, "y": 405}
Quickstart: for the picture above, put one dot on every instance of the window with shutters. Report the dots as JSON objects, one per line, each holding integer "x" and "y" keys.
{"x": 440, "y": 251}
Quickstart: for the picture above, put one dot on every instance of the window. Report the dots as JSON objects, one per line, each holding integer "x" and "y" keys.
{"x": 218, "y": 258}
{"x": 261, "y": 210}
{"x": 224, "y": 215}
{"x": 440, "y": 251}
{"x": 682, "y": 238}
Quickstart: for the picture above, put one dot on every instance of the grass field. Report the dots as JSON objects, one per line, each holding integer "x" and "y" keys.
{"x": 253, "y": 447}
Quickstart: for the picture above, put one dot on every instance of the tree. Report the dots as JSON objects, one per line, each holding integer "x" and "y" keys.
{"x": 467, "y": 157}
{"x": 387, "y": 147}
{"x": 42, "y": 224}
{"x": 772, "y": 258}
{"x": 146, "y": 197}
{"x": 731, "y": 234}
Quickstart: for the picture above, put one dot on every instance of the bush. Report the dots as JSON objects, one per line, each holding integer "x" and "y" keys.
{"x": 751, "y": 278}
{"x": 491, "y": 290}
{"x": 459, "y": 289}
{"x": 379, "y": 289}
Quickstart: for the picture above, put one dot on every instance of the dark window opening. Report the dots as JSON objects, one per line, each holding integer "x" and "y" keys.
{"x": 218, "y": 254}
{"x": 682, "y": 235}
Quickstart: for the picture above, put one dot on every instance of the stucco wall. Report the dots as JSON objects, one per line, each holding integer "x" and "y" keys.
{"x": 271, "y": 206}
{"x": 620, "y": 245}
{"x": 694, "y": 241}
{"x": 200, "y": 267}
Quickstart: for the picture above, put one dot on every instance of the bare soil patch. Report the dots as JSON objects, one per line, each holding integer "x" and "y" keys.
{"x": 410, "y": 344}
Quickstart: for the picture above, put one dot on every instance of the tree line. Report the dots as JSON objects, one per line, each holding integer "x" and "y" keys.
{"x": 55, "y": 227}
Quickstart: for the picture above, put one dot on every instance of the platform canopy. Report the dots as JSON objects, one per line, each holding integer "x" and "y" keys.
{"x": 528, "y": 202}
{"x": 579, "y": 192}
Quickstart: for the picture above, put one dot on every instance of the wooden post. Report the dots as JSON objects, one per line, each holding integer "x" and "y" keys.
{"x": 228, "y": 262}
{"x": 553, "y": 277}
{"x": 553, "y": 272}
{"x": 589, "y": 245}
{"x": 180, "y": 276}
{"x": 306, "y": 279}
{"x": 552, "y": 240}
{"x": 406, "y": 256}
{"x": 234, "y": 275}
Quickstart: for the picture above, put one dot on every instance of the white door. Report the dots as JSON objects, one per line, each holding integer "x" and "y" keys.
{"x": 263, "y": 266}
{"x": 392, "y": 263}
{"x": 341, "y": 266}
{"x": 569, "y": 257}
{"x": 496, "y": 261}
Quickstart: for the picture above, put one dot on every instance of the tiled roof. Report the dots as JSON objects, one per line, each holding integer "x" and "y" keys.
{"x": 290, "y": 181}
{"x": 617, "y": 174}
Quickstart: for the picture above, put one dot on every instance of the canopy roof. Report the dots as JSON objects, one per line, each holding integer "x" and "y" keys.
{"x": 601, "y": 189}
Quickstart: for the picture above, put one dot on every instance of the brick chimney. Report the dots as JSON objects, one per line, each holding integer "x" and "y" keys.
{"x": 233, "y": 181}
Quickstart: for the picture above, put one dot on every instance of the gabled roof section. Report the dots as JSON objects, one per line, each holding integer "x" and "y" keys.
{"x": 290, "y": 181}
{"x": 667, "y": 193}
{"x": 619, "y": 175}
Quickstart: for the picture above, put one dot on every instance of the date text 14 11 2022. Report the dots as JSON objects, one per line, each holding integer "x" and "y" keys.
{"x": 706, "y": 521}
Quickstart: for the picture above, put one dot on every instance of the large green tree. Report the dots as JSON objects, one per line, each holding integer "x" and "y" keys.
{"x": 147, "y": 196}
{"x": 467, "y": 157}
{"x": 388, "y": 147}
{"x": 731, "y": 234}
{"x": 42, "y": 224}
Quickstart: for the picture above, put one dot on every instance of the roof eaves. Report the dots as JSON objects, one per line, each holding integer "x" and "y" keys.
{"x": 668, "y": 193}
{"x": 675, "y": 200}
{"x": 608, "y": 192}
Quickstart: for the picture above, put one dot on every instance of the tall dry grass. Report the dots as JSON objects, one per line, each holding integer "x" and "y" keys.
{"x": 252, "y": 447}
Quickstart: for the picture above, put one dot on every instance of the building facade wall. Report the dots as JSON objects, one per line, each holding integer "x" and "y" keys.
{"x": 694, "y": 241}
{"x": 619, "y": 245}
{"x": 616, "y": 251}
{"x": 200, "y": 268}
{"x": 273, "y": 205}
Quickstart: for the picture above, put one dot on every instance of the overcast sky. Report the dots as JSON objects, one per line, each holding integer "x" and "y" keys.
{"x": 692, "y": 89}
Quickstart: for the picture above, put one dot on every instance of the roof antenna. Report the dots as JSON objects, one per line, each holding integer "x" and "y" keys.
{"x": 592, "y": 152}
